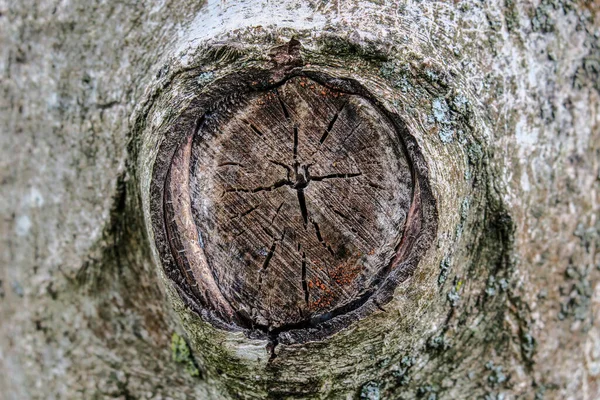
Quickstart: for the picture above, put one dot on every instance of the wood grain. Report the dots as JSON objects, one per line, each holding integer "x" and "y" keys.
{"x": 298, "y": 199}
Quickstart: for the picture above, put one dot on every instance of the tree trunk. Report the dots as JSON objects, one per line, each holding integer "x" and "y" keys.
{"x": 489, "y": 213}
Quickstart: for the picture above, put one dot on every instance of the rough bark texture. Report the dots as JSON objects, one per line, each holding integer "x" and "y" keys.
{"x": 500, "y": 97}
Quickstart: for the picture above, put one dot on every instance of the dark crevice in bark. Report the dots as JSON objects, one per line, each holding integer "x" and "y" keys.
{"x": 378, "y": 306}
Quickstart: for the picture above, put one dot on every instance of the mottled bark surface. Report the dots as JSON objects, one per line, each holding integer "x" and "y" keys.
{"x": 501, "y": 98}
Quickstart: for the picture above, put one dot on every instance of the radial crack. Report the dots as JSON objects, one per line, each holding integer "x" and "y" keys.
{"x": 335, "y": 176}
{"x": 295, "y": 142}
{"x": 318, "y": 232}
{"x": 276, "y": 185}
{"x": 280, "y": 164}
{"x": 253, "y": 127}
{"x": 245, "y": 212}
{"x": 283, "y": 106}
{"x": 329, "y": 127}
{"x": 332, "y": 122}
{"x": 320, "y": 238}
{"x": 304, "y": 283}
{"x": 351, "y": 132}
{"x": 303, "y": 209}
{"x": 277, "y": 212}
{"x": 340, "y": 213}
{"x": 269, "y": 256}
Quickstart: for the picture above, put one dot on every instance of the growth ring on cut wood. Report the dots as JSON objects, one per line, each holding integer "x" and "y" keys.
{"x": 290, "y": 206}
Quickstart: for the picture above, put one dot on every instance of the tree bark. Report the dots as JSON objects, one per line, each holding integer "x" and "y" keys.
{"x": 501, "y": 104}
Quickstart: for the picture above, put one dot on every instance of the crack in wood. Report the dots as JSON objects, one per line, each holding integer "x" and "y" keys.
{"x": 277, "y": 212}
{"x": 302, "y": 203}
{"x": 303, "y": 276}
{"x": 248, "y": 211}
{"x": 269, "y": 256}
{"x": 335, "y": 176}
{"x": 280, "y": 164}
{"x": 331, "y": 124}
{"x": 244, "y": 213}
{"x": 254, "y": 128}
{"x": 317, "y": 232}
{"x": 304, "y": 283}
{"x": 283, "y": 106}
{"x": 320, "y": 238}
{"x": 328, "y": 131}
{"x": 340, "y": 213}
{"x": 351, "y": 132}
{"x": 276, "y": 185}
{"x": 295, "y": 143}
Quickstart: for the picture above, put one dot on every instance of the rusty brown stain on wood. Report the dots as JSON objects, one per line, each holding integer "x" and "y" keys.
{"x": 298, "y": 198}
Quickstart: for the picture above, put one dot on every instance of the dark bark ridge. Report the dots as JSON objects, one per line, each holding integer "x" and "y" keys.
{"x": 289, "y": 204}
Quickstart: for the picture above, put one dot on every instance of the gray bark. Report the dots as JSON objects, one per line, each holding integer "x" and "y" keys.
{"x": 503, "y": 99}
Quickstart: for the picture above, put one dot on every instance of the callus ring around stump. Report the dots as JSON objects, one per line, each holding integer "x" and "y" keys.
{"x": 292, "y": 207}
